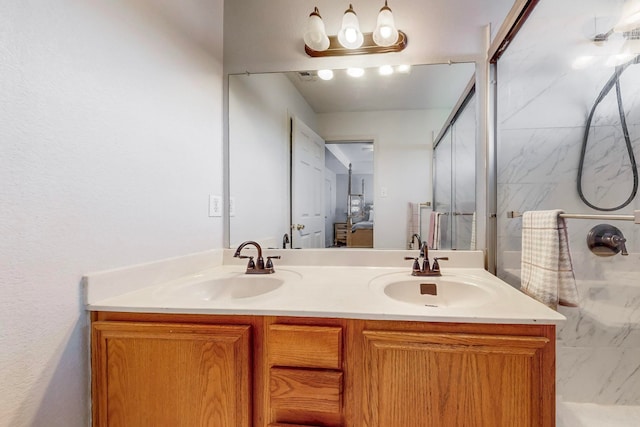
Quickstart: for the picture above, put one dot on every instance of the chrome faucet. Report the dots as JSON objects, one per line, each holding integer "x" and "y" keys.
{"x": 259, "y": 266}
{"x": 425, "y": 269}
{"x": 285, "y": 240}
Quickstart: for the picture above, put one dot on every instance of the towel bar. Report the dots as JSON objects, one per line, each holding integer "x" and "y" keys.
{"x": 635, "y": 217}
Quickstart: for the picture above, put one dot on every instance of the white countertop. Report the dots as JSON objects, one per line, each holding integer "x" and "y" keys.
{"x": 354, "y": 289}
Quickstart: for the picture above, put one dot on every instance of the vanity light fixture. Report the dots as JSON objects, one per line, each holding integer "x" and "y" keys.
{"x": 350, "y": 40}
{"x": 315, "y": 35}
{"x": 386, "y": 33}
{"x": 350, "y": 35}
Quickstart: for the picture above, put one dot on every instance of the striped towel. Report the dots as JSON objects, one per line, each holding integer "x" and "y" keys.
{"x": 547, "y": 271}
{"x": 433, "y": 239}
{"x": 472, "y": 244}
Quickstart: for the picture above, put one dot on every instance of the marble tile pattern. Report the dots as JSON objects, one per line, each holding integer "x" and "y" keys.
{"x": 543, "y": 103}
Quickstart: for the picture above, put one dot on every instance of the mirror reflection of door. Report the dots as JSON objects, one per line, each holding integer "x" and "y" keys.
{"x": 352, "y": 212}
{"x": 307, "y": 184}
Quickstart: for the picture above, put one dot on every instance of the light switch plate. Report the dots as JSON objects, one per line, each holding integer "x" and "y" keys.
{"x": 215, "y": 205}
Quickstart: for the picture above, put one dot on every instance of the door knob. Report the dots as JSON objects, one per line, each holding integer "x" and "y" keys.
{"x": 299, "y": 227}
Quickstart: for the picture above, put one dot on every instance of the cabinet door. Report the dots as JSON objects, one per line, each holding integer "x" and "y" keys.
{"x": 155, "y": 374}
{"x": 448, "y": 379}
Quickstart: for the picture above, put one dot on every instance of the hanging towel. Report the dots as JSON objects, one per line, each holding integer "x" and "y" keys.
{"x": 433, "y": 240}
{"x": 547, "y": 271}
{"x": 413, "y": 220}
{"x": 472, "y": 245}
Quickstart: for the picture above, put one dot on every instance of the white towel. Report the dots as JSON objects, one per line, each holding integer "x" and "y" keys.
{"x": 547, "y": 271}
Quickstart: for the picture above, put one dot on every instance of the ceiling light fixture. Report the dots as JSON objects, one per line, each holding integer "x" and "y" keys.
{"x": 355, "y": 72}
{"x": 350, "y": 40}
{"x": 385, "y": 70}
{"x": 325, "y": 74}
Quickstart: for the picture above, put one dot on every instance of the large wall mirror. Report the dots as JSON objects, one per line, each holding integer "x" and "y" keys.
{"x": 310, "y": 157}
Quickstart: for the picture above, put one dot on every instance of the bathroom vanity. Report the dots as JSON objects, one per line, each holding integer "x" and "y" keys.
{"x": 319, "y": 346}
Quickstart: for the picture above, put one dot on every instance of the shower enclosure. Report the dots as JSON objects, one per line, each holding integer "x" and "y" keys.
{"x": 547, "y": 82}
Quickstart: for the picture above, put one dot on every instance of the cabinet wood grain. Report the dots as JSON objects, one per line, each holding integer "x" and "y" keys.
{"x": 171, "y": 374}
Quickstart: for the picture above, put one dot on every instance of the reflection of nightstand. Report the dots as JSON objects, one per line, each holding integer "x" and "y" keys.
{"x": 340, "y": 233}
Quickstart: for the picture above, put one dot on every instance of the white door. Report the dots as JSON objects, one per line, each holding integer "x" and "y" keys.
{"x": 307, "y": 175}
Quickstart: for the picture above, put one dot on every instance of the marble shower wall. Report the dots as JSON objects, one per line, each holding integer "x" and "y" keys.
{"x": 543, "y": 103}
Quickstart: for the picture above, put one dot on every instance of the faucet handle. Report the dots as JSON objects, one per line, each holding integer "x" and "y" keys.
{"x": 436, "y": 265}
{"x": 620, "y": 242}
{"x": 416, "y": 264}
{"x": 269, "y": 262}
{"x": 250, "y": 265}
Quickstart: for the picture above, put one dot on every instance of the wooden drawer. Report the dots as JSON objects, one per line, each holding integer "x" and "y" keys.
{"x": 305, "y": 346}
{"x": 306, "y": 390}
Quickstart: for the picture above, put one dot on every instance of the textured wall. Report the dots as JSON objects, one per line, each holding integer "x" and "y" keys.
{"x": 543, "y": 105}
{"x": 110, "y": 142}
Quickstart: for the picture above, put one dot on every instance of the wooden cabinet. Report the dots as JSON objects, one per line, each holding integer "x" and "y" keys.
{"x": 340, "y": 233}
{"x": 198, "y": 370}
{"x": 435, "y": 375}
{"x": 162, "y": 374}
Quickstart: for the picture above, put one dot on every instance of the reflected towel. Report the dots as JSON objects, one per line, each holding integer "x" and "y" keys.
{"x": 472, "y": 245}
{"x": 433, "y": 240}
{"x": 547, "y": 271}
{"x": 413, "y": 220}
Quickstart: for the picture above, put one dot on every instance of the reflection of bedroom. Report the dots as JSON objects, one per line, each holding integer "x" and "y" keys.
{"x": 349, "y": 194}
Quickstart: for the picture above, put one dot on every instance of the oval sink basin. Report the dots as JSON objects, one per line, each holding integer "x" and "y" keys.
{"x": 434, "y": 291}
{"x": 231, "y": 286}
{"x": 239, "y": 287}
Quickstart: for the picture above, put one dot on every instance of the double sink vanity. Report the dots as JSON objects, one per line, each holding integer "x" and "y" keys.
{"x": 330, "y": 338}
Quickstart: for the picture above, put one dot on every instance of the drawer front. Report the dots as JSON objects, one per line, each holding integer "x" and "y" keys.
{"x": 306, "y": 390}
{"x": 305, "y": 346}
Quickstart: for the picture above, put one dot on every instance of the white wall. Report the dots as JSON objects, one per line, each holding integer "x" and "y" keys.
{"x": 260, "y": 106}
{"x": 402, "y": 161}
{"x": 111, "y": 130}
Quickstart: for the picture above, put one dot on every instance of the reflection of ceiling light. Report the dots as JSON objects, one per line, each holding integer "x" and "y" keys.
{"x": 630, "y": 18}
{"x": 350, "y": 40}
{"x": 619, "y": 59}
{"x": 404, "y": 68}
{"x": 325, "y": 74}
{"x": 583, "y": 62}
{"x": 355, "y": 72}
{"x": 385, "y": 70}
{"x": 350, "y": 35}
{"x": 315, "y": 35}
{"x": 386, "y": 33}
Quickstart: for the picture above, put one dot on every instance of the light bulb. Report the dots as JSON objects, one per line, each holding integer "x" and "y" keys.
{"x": 350, "y": 35}
{"x": 315, "y": 35}
{"x": 385, "y": 33}
{"x": 325, "y": 74}
{"x": 355, "y": 72}
{"x": 385, "y": 70}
